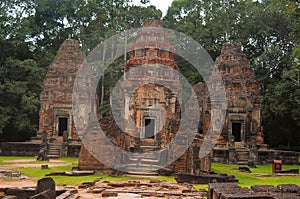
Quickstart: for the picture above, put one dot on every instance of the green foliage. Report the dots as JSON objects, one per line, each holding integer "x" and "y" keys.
{"x": 20, "y": 86}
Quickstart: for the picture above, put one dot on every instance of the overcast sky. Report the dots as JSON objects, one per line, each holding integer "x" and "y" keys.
{"x": 160, "y": 4}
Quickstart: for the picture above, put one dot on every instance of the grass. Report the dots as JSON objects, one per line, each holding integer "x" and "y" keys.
{"x": 248, "y": 179}
{"x": 3, "y": 159}
{"x": 245, "y": 179}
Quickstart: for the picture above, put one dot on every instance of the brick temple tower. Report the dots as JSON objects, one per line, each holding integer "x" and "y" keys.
{"x": 149, "y": 95}
{"x": 242, "y": 128}
{"x": 152, "y": 105}
{"x": 56, "y": 96}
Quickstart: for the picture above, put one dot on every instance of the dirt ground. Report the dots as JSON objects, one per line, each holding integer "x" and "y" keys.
{"x": 27, "y": 182}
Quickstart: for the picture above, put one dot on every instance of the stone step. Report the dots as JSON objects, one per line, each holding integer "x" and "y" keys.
{"x": 239, "y": 145}
{"x": 56, "y": 145}
{"x": 149, "y": 148}
{"x": 242, "y": 156}
{"x": 55, "y": 148}
{"x": 50, "y": 149}
{"x": 148, "y": 142}
{"x": 54, "y": 151}
{"x": 53, "y": 156}
{"x": 148, "y": 156}
{"x": 146, "y": 168}
{"x": 143, "y": 161}
{"x": 242, "y": 162}
{"x": 142, "y": 173}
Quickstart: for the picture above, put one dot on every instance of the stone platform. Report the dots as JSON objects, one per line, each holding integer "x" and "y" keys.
{"x": 264, "y": 156}
{"x": 204, "y": 178}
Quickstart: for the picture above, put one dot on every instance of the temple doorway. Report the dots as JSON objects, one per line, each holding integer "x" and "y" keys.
{"x": 237, "y": 131}
{"x": 62, "y": 125}
{"x": 149, "y": 128}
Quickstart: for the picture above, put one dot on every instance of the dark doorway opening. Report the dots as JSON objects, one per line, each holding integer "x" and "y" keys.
{"x": 149, "y": 128}
{"x": 237, "y": 131}
{"x": 62, "y": 125}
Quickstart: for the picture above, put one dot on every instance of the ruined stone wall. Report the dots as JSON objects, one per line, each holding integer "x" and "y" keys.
{"x": 264, "y": 156}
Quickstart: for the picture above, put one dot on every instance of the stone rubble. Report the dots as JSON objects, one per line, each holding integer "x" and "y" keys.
{"x": 142, "y": 189}
{"x": 233, "y": 191}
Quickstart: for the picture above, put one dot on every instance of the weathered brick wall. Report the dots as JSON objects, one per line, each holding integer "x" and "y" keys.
{"x": 20, "y": 148}
{"x": 265, "y": 156}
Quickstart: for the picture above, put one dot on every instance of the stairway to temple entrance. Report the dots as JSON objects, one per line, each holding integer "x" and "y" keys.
{"x": 242, "y": 153}
{"x": 55, "y": 148}
{"x": 144, "y": 164}
{"x": 148, "y": 145}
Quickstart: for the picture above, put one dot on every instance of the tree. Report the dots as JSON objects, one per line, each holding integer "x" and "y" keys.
{"x": 268, "y": 31}
{"x": 31, "y": 32}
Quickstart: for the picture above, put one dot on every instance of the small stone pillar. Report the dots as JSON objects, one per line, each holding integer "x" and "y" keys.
{"x": 196, "y": 145}
{"x": 231, "y": 150}
{"x": 65, "y": 143}
{"x": 205, "y": 164}
{"x": 44, "y": 136}
{"x": 65, "y": 136}
{"x": 253, "y": 150}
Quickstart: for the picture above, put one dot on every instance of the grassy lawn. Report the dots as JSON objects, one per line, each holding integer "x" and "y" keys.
{"x": 4, "y": 159}
{"x": 245, "y": 179}
{"x": 248, "y": 179}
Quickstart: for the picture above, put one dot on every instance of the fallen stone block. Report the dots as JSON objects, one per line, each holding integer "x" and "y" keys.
{"x": 204, "y": 179}
{"x": 98, "y": 190}
{"x": 68, "y": 195}
{"x": 48, "y": 194}
{"x": 264, "y": 188}
{"x": 289, "y": 188}
{"x": 16, "y": 192}
{"x": 218, "y": 193}
{"x": 44, "y": 166}
{"x": 286, "y": 196}
{"x": 45, "y": 184}
{"x": 10, "y": 197}
{"x": 79, "y": 173}
{"x": 56, "y": 173}
{"x": 89, "y": 183}
{"x": 245, "y": 169}
{"x": 213, "y": 186}
{"x": 114, "y": 184}
{"x": 245, "y": 196}
{"x": 290, "y": 171}
{"x": 109, "y": 194}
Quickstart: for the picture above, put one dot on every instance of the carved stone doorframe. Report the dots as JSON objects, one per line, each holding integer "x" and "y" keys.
{"x": 238, "y": 119}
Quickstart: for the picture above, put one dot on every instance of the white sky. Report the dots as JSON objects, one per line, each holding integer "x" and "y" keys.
{"x": 160, "y": 4}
